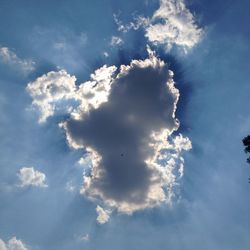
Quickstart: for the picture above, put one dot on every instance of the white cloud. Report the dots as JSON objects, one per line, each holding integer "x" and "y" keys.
{"x": 13, "y": 244}
{"x": 9, "y": 57}
{"x": 171, "y": 25}
{"x": 85, "y": 162}
{"x": 28, "y": 176}
{"x": 115, "y": 40}
{"x": 93, "y": 93}
{"x": 50, "y": 90}
{"x": 102, "y": 215}
{"x": 56, "y": 91}
{"x": 3, "y": 245}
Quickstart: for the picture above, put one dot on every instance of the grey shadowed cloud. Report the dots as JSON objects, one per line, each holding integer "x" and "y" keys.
{"x": 125, "y": 123}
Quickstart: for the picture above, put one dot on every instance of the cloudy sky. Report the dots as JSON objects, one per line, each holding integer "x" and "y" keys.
{"x": 122, "y": 125}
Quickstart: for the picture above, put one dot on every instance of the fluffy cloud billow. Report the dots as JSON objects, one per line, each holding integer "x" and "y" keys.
{"x": 13, "y": 244}
{"x": 28, "y": 176}
{"x": 56, "y": 92}
{"x": 125, "y": 121}
{"x": 48, "y": 90}
{"x": 172, "y": 24}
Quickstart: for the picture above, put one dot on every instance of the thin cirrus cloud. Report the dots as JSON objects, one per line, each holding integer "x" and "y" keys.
{"x": 171, "y": 25}
{"x": 125, "y": 121}
{"x": 84, "y": 237}
{"x": 9, "y": 57}
{"x": 28, "y": 176}
{"x": 12, "y": 244}
{"x": 64, "y": 47}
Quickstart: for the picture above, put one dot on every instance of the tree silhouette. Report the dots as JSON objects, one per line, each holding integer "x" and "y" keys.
{"x": 246, "y": 142}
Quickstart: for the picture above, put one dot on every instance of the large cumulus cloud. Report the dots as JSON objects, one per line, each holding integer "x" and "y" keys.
{"x": 127, "y": 133}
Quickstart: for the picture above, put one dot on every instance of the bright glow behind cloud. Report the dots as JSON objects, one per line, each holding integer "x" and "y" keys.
{"x": 125, "y": 123}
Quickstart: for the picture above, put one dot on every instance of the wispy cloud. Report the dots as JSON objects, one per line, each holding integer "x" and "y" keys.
{"x": 137, "y": 23}
{"x": 9, "y": 57}
{"x": 116, "y": 41}
{"x": 84, "y": 237}
{"x": 62, "y": 47}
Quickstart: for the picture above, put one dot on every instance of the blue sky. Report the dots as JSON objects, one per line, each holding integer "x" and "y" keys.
{"x": 41, "y": 207}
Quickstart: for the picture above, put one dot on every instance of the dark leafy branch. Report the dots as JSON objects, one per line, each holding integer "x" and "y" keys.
{"x": 246, "y": 142}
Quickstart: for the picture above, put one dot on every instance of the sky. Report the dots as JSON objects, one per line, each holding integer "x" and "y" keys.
{"x": 122, "y": 125}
